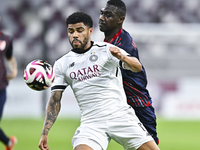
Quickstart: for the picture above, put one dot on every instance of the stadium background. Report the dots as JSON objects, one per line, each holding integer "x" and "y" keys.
{"x": 167, "y": 33}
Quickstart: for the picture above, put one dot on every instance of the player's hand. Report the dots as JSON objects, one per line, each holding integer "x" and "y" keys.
{"x": 116, "y": 52}
{"x": 43, "y": 143}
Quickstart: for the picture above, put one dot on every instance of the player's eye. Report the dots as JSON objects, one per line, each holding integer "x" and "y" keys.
{"x": 108, "y": 15}
{"x": 71, "y": 31}
{"x": 80, "y": 30}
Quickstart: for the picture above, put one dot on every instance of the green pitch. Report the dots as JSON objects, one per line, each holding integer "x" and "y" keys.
{"x": 174, "y": 135}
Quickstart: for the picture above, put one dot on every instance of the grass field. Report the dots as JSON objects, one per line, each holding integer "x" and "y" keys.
{"x": 174, "y": 135}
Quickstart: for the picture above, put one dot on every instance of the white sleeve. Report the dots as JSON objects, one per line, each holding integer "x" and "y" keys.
{"x": 59, "y": 83}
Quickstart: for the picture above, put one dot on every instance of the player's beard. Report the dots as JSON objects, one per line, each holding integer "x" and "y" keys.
{"x": 81, "y": 48}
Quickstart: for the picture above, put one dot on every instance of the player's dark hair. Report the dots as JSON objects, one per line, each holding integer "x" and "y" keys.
{"x": 78, "y": 17}
{"x": 120, "y": 5}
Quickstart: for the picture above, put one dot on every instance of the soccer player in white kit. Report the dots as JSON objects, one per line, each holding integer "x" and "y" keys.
{"x": 92, "y": 71}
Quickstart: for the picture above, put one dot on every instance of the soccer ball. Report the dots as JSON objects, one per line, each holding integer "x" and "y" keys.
{"x": 39, "y": 75}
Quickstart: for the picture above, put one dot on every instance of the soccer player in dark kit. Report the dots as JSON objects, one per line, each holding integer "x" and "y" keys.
{"x": 6, "y": 49}
{"x": 111, "y": 20}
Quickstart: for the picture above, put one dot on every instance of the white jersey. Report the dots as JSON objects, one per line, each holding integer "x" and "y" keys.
{"x": 95, "y": 79}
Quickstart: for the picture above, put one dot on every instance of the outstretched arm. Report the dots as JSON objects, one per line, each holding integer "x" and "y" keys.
{"x": 131, "y": 63}
{"x": 52, "y": 110}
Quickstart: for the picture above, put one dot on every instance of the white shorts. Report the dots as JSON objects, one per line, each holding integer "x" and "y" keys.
{"x": 91, "y": 143}
{"x": 126, "y": 130}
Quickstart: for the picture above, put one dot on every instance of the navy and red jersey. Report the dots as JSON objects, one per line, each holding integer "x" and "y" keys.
{"x": 134, "y": 83}
{"x": 5, "y": 52}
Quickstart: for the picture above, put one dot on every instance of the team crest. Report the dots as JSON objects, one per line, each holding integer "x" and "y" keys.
{"x": 93, "y": 58}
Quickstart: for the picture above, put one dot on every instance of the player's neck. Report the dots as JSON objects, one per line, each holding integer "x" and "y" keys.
{"x": 110, "y": 34}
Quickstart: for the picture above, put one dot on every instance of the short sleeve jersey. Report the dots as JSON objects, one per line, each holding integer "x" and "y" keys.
{"x": 5, "y": 51}
{"x": 95, "y": 79}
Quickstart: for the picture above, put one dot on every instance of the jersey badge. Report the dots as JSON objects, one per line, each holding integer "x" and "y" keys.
{"x": 93, "y": 58}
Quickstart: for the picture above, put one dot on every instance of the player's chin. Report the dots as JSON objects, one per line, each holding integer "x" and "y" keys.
{"x": 76, "y": 46}
{"x": 102, "y": 28}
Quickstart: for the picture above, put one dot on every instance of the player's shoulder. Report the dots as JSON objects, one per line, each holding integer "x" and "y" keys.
{"x": 64, "y": 57}
{"x": 2, "y": 34}
{"x": 126, "y": 35}
{"x": 6, "y": 36}
{"x": 103, "y": 44}
{"x": 127, "y": 41}
{"x": 100, "y": 44}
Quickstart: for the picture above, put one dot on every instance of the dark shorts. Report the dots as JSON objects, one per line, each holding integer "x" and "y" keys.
{"x": 2, "y": 101}
{"x": 147, "y": 116}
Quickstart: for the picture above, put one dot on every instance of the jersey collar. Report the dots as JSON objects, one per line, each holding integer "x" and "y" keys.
{"x": 115, "y": 36}
{"x": 81, "y": 52}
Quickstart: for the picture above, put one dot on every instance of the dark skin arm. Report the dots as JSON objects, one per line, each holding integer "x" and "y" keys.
{"x": 130, "y": 63}
{"x": 52, "y": 111}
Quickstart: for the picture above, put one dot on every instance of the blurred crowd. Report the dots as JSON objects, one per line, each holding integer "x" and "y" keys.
{"x": 38, "y": 26}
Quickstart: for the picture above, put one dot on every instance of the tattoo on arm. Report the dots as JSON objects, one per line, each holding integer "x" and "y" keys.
{"x": 52, "y": 110}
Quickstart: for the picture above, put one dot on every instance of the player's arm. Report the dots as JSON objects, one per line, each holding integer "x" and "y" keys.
{"x": 131, "y": 63}
{"x": 11, "y": 61}
{"x": 52, "y": 110}
{"x": 12, "y": 66}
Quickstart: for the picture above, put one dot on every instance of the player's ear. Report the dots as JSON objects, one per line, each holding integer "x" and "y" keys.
{"x": 90, "y": 30}
{"x": 121, "y": 20}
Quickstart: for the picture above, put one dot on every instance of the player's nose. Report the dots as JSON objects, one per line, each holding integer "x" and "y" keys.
{"x": 75, "y": 34}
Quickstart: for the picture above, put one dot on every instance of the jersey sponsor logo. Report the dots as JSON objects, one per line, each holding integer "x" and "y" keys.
{"x": 2, "y": 45}
{"x": 93, "y": 58}
{"x": 85, "y": 73}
